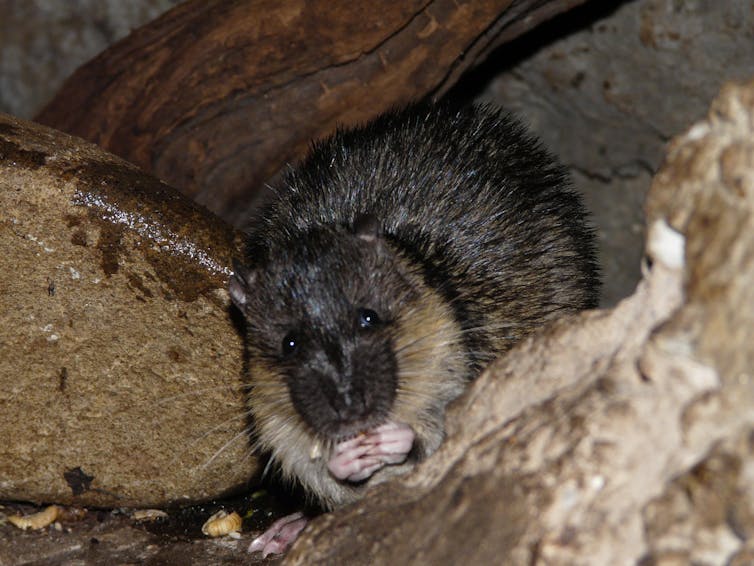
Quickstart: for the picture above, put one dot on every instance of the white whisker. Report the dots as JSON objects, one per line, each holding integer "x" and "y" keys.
{"x": 219, "y": 451}
{"x": 197, "y": 392}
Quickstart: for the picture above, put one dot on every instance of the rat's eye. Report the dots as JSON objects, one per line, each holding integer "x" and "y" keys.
{"x": 290, "y": 344}
{"x": 368, "y": 318}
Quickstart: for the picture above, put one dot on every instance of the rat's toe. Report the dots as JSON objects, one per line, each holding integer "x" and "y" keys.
{"x": 279, "y": 537}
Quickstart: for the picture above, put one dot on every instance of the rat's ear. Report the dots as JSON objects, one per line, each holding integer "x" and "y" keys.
{"x": 367, "y": 227}
{"x": 240, "y": 283}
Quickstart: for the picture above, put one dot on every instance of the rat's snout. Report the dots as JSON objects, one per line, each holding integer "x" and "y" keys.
{"x": 347, "y": 399}
{"x": 348, "y": 403}
{"x": 345, "y": 386}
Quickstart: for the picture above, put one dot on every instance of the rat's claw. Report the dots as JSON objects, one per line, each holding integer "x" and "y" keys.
{"x": 390, "y": 442}
{"x": 365, "y": 469}
{"x": 358, "y": 458}
{"x": 351, "y": 445}
{"x": 350, "y": 460}
{"x": 280, "y": 535}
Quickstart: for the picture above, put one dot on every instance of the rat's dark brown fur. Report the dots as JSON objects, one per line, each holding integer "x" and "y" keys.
{"x": 397, "y": 260}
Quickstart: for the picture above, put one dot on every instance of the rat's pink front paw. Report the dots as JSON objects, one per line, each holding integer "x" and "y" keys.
{"x": 280, "y": 536}
{"x": 358, "y": 458}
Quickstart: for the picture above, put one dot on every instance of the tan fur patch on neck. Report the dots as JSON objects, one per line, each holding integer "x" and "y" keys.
{"x": 432, "y": 366}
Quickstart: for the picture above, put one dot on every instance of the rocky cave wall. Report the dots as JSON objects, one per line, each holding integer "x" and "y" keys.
{"x": 43, "y": 41}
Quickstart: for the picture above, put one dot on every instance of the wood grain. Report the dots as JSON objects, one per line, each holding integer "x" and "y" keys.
{"x": 214, "y": 97}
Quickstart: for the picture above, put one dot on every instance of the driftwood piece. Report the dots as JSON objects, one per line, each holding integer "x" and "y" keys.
{"x": 622, "y": 437}
{"x": 215, "y": 97}
{"x": 120, "y": 368}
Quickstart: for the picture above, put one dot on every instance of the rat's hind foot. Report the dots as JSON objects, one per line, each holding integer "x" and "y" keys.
{"x": 358, "y": 458}
{"x": 280, "y": 535}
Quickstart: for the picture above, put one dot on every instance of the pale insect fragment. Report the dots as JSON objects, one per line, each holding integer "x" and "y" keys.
{"x": 222, "y": 523}
{"x": 316, "y": 451}
{"x": 38, "y": 520}
{"x": 146, "y": 515}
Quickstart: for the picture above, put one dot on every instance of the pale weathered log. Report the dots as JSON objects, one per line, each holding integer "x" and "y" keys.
{"x": 622, "y": 437}
{"x": 216, "y": 96}
{"x": 120, "y": 367}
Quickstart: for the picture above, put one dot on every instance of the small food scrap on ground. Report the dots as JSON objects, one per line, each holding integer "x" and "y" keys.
{"x": 148, "y": 515}
{"x": 38, "y": 520}
{"x": 222, "y": 523}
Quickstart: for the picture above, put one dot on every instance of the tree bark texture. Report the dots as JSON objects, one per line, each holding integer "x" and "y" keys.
{"x": 214, "y": 97}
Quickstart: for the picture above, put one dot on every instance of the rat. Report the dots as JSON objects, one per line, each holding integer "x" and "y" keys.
{"x": 396, "y": 261}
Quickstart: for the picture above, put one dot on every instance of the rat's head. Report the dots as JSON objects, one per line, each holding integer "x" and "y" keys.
{"x": 322, "y": 314}
{"x": 344, "y": 334}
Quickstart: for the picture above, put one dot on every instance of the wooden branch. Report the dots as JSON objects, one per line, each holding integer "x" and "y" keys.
{"x": 215, "y": 96}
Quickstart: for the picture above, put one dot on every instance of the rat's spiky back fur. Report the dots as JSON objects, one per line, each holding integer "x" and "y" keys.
{"x": 469, "y": 196}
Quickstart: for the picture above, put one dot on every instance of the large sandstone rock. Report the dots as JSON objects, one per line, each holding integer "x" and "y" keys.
{"x": 120, "y": 367}
{"x": 622, "y": 437}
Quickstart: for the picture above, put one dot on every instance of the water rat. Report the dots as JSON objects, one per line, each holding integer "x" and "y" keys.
{"x": 397, "y": 260}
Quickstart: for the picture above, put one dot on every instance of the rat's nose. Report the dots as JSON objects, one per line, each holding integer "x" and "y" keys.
{"x": 348, "y": 403}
